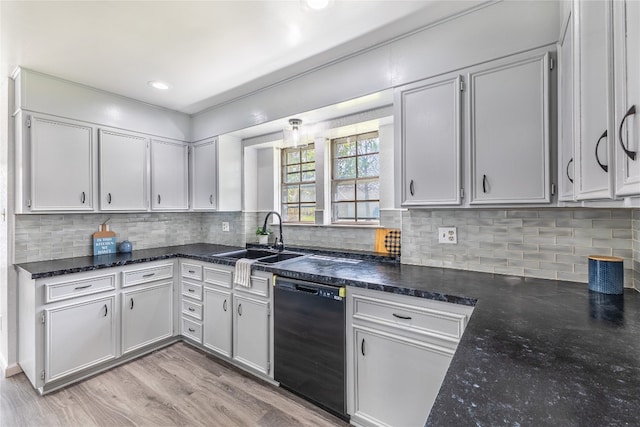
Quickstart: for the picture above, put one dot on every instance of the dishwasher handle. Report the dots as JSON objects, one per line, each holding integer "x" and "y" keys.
{"x": 307, "y": 289}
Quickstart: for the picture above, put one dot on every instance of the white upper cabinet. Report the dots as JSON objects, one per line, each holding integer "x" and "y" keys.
{"x": 508, "y": 104}
{"x": 566, "y": 161}
{"x": 204, "y": 176}
{"x": 626, "y": 26}
{"x": 61, "y": 165}
{"x": 169, "y": 178}
{"x": 123, "y": 171}
{"x": 594, "y": 131}
{"x": 429, "y": 136}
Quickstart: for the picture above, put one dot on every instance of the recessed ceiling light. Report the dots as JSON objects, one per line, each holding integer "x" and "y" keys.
{"x": 157, "y": 84}
{"x": 317, "y": 4}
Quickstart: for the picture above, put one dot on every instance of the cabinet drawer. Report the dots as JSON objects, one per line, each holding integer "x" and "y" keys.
{"x": 149, "y": 274}
{"x": 216, "y": 276}
{"x": 192, "y": 271}
{"x": 191, "y": 329}
{"x": 192, "y": 290}
{"x": 192, "y": 309}
{"x": 414, "y": 318}
{"x": 259, "y": 286}
{"x": 66, "y": 290}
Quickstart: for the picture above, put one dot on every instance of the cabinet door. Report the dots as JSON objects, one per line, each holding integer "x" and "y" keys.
{"x": 429, "y": 129}
{"x": 61, "y": 165}
{"x": 204, "y": 177}
{"x": 566, "y": 143}
{"x": 627, "y": 122}
{"x": 147, "y": 316}
{"x": 595, "y": 133}
{"x": 396, "y": 380}
{"x": 251, "y": 333}
{"x": 123, "y": 171}
{"x": 217, "y": 321}
{"x": 169, "y": 180}
{"x": 509, "y": 132}
{"x": 79, "y": 336}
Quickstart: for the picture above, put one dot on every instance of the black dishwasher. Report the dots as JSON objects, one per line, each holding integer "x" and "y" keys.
{"x": 309, "y": 342}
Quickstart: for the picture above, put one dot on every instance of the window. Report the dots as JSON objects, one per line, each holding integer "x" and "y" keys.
{"x": 356, "y": 178}
{"x": 299, "y": 184}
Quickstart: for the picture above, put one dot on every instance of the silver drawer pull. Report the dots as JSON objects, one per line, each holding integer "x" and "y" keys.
{"x": 77, "y": 288}
{"x": 191, "y": 330}
{"x": 191, "y": 309}
{"x": 399, "y": 316}
{"x": 192, "y": 271}
{"x": 149, "y": 275}
{"x": 191, "y": 290}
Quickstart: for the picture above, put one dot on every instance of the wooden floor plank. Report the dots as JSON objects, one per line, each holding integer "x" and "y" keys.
{"x": 175, "y": 386}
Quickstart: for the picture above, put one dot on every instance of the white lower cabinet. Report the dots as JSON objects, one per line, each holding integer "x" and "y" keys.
{"x": 79, "y": 336}
{"x": 75, "y": 325}
{"x": 392, "y": 373}
{"x": 235, "y": 322}
{"x": 398, "y": 351}
{"x": 146, "y": 315}
{"x": 218, "y": 321}
{"x": 251, "y": 333}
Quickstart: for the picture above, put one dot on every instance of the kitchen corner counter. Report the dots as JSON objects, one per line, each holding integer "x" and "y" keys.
{"x": 535, "y": 352}
{"x": 57, "y": 267}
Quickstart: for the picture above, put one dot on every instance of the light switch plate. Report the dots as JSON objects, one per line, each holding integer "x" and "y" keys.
{"x": 448, "y": 235}
{"x": 225, "y": 226}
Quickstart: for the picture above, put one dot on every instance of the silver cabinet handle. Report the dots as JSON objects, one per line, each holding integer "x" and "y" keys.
{"x": 191, "y": 290}
{"x": 192, "y": 271}
{"x": 191, "y": 330}
{"x": 148, "y": 275}
{"x": 192, "y": 309}
{"x": 77, "y": 288}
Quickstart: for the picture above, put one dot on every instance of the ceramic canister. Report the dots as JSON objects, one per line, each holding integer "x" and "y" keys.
{"x": 606, "y": 274}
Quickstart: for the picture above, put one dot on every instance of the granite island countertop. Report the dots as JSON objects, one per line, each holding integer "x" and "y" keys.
{"x": 535, "y": 352}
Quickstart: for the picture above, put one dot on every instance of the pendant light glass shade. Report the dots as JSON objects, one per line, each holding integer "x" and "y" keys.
{"x": 294, "y": 134}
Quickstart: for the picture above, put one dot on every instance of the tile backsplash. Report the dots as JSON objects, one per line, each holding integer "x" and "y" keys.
{"x": 546, "y": 243}
{"x": 45, "y": 237}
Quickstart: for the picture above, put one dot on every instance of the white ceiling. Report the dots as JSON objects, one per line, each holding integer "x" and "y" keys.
{"x": 209, "y": 51}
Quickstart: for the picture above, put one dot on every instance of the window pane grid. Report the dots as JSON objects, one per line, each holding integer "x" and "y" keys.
{"x": 298, "y": 195}
{"x": 355, "y": 178}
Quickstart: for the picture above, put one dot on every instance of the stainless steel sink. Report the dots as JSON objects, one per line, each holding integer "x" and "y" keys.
{"x": 246, "y": 253}
{"x": 260, "y": 255}
{"x": 283, "y": 256}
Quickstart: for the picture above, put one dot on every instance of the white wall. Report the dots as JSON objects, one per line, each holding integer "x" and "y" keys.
{"x": 491, "y": 32}
{"x": 42, "y": 93}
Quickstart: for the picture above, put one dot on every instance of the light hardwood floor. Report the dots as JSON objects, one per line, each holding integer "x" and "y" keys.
{"x": 174, "y": 386}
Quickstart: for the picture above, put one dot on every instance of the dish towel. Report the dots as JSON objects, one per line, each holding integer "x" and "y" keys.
{"x": 242, "y": 276}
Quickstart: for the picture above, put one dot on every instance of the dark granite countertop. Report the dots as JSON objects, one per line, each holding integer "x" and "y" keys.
{"x": 535, "y": 352}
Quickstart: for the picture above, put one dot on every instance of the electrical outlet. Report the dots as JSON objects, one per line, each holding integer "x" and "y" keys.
{"x": 225, "y": 226}
{"x": 447, "y": 235}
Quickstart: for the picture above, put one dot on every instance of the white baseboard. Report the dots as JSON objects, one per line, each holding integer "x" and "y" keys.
{"x": 11, "y": 370}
